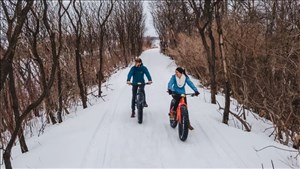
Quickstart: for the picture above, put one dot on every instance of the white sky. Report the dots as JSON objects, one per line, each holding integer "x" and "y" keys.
{"x": 150, "y": 31}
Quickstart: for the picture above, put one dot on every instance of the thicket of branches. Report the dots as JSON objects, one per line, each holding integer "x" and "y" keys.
{"x": 55, "y": 53}
{"x": 250, "y": 50}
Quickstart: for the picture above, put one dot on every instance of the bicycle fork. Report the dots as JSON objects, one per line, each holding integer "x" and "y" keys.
{"x": 179, "y": 113}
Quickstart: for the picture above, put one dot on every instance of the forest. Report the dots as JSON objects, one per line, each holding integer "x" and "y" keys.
{"x": 55, "y": 54}
{"x": 248, "y": 50}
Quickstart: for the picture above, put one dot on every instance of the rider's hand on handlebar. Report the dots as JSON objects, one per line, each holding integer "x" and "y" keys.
{"x": 149, "y": 82}
{"x": 197, "y": 93}
{"x": 129, "y": 83}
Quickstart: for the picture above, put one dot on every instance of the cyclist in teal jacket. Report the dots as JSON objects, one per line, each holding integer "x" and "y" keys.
{"x": 177, "y": 84}
{"x": 137, "y": 72}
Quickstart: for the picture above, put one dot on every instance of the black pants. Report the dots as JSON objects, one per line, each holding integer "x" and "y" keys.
{"x": 134, "y": 92}
{"x": 177, "y": 98}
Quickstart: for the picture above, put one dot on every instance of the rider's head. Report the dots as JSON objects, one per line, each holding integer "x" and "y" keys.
{"x": 179, "y": 71}
{"x": 138, "y": 61}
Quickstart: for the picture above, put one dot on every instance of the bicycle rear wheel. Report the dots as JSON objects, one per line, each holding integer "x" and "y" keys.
{"x": 173, "y": 122}
{"x": 183, "y": 129}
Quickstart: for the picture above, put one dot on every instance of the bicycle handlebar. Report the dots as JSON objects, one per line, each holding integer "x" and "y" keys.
{"x": 184, "y": 94}
{"x": 147, "y": 83}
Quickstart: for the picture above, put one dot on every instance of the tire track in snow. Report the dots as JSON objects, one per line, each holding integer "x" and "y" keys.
{"x": 109, "y": 132}
{"x": 93, "y": 141}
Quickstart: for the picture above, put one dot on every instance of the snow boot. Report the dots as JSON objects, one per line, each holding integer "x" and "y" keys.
{"x": 172, "y": 115}
{"x": 132, "y": 114}
{"x": 191, "y": 127}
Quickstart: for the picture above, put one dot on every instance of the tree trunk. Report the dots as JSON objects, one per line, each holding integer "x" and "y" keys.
{"x": 227, "y": 103}
{"x": 60, "y": 99}
{"x": 23, "y": 144}
{"x": 100, "y": 73}
{"x": 78, "y": 72}
{"x": 15, "y": 105}
{"x": 49, "y": 110}
{"x": 221, "y": 46}
{"x": 124, "y": 54}
{"x": 211, "y": 67}
{"x": 83, "y": 79}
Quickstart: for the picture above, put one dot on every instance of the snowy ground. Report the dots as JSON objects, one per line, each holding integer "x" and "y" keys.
{"x": 104, "y": 135}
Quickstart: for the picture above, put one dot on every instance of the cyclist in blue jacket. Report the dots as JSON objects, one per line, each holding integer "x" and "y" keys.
{"x": 177, "y": 84}
{"x": 137, "y": 72}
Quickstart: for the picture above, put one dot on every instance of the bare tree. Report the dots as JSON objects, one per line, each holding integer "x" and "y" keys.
{"x": 219, "y": 13}
{"x": 15, "y": 19}
{"x": 15, "y": 106}
{"x": 76, "y": 24}
{"x": 129, "y": 24}
{"x": 46, "y": 85}
{"x": 103, "y": 12}
{"x": 61, "y": 13}
{"x": 204, "y": 15}
{"x": 170, "y": 19}
{"x": 262, "y": 40}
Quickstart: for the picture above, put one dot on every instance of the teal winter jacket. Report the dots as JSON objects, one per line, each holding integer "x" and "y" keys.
{"x": 172, "y": 85}
{"x": 138, "y": 74}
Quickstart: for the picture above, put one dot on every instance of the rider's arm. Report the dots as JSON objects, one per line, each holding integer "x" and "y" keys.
{"x": 171, "y": 83}
{"x": 130, "y": 74}
{"x": 191, "y": 84}
{"x": 147, "y": 74}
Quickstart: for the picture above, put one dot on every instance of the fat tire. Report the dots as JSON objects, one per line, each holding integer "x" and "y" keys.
{"x": 140, "y": 107}
{"x": 183, "y": 129}
{"x": 173, "y": 123}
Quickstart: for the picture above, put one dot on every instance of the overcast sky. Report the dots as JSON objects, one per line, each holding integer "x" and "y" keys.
{"x": 150, "y": 31}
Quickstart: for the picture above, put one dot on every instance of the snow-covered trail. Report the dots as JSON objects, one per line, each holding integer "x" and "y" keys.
{"x": 104, "y": 135}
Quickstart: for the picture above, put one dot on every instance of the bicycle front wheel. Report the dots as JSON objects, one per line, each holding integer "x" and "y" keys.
{"x": 140, "y": 106}
{"x": 183, "y": 125}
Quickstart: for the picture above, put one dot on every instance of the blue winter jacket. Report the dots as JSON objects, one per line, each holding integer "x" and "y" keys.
{"x": 138, "y": 74}
{"x": 172, "y": 85}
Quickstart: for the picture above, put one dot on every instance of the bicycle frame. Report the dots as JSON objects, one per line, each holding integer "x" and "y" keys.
{"x": 139, "y": 100}
{"x": 178, "y": 111}
{"x": 139, "y": 89}
{"x": 182, "y": 103}
{"x": 182, "y": 117}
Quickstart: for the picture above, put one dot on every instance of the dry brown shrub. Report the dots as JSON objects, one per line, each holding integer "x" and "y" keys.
{"x": 191, "y": 55}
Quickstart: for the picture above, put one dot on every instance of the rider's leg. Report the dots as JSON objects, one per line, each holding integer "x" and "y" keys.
{"x": 172, "y": 112}
{"x": 134, "y": 92}
{"x": 177, "y": 100}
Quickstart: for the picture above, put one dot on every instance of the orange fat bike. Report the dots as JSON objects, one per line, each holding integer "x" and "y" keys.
{"x": 180, "y": 116}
